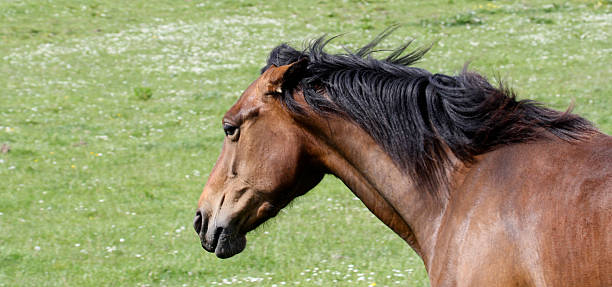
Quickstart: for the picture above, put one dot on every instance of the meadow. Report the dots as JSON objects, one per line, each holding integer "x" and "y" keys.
{"x": 110, "y": 121}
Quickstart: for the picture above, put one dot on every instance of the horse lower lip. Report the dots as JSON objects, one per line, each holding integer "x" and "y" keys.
{"x": 230, "y": 245}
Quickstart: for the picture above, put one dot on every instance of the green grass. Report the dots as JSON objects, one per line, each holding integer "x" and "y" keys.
{"x": 112, "y": 112}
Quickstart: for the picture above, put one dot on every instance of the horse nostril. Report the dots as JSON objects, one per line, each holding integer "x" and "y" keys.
{"x": 197, "y": 222}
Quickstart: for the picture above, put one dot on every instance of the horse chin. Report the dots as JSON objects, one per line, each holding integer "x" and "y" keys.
{"x": 230, "y": 245}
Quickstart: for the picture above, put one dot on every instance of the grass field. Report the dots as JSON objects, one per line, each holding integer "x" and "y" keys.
{"x": 112, "y": 112}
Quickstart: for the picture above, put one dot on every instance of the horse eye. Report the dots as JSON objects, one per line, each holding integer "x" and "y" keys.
{"x": 229, "y": 129}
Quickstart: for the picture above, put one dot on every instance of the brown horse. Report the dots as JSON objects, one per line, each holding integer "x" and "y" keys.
{"x": 488, "y": 190}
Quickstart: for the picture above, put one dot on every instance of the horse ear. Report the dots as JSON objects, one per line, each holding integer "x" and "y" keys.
{"x": 286, "y": 77}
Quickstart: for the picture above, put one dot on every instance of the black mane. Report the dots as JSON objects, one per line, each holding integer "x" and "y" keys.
{"x": 414, "y": 114}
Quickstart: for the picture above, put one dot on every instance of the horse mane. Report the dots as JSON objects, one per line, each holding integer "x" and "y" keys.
{"x": 418, "y": 117}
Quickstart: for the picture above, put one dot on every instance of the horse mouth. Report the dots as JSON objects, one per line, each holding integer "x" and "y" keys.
{"x": 225, "y": 243}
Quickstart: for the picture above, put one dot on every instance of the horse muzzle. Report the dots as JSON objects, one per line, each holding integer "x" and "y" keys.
{"x": 222, "y": 239}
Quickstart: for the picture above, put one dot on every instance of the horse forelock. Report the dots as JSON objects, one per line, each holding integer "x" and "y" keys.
{"x": 417, "y": 116}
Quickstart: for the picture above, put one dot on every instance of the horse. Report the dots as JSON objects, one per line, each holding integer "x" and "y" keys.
{"x": 487, "y": 189}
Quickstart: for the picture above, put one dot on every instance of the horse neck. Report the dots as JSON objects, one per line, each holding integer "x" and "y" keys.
{"x": 353, "y": 156}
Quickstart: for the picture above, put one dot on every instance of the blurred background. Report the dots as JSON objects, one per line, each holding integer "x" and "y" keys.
{"x": 110, "y": 121}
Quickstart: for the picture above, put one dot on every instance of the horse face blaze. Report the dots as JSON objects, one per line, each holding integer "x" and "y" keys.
{"x": 263, "y": 165}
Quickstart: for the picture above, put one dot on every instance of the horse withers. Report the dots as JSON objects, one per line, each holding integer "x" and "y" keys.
{"x": 488, "y": 190}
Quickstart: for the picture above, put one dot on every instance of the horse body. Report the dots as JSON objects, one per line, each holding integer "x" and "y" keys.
{"x": 487, "y": 190}
{"x": 534, "y": 214}
{"x": 514, "y": 218}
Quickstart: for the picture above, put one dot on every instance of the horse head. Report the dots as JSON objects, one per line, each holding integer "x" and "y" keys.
{"x": 266, "y": 161}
